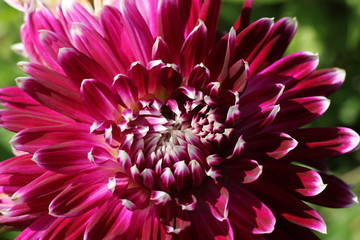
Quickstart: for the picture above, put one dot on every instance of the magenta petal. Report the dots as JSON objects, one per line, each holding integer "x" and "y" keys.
{"x": 39, "y": 188}
{"x": 125, "y": 90}
{"x": 193, "y": 50}
{"x": 37, "y": 228}
{"x": 55, "y": 97}
{"x": 111, "y": 21}
{"x": 71, "y": 228}
{"x": 78, "y": 199}
{"x": 17, "y": 120}
{"x": 99, "y": 100}
{"x": 137, "y": 30}
{"x": 68, "y": 158}
{"x": 84, "y": 39}
{"x": 110, "y": 221}
{"x": 33, "y": 139}
{"x": 78, "y": 67}
{"x": 170, "y": 26}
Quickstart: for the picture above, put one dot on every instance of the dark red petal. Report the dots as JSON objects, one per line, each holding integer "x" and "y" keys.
{"x": 244, "y": 20}
{"x": 193, "y": 50}
{"x": 296, "y": 179}
{"x": 250, "y": 39}
{"x": 248, "y": 213}
{"x": 275, "y": 46}
{"x": 318, "y": 143}
{"x": 286, "y": 205}
{"x": 268, "y": 145}
{"x": 297, "y": 112}
{"x": 337, "y": 194}
{"x": 319, "y": 83}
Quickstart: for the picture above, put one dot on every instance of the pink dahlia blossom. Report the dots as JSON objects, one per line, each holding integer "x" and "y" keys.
{"x": 140, "y": 121}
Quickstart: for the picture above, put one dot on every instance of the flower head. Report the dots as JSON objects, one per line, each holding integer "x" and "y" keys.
{"x": 141, "y": 121}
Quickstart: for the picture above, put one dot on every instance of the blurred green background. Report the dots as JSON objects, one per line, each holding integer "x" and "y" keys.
{"x": 328, "y": 27}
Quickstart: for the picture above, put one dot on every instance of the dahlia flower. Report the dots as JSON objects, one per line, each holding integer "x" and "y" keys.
{"x": 138, "y": 120}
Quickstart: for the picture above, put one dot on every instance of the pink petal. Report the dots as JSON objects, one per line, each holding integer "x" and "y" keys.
{"x": 68, "y": 158}
{"x": 33, "y": 139}
{"x": 109, "y": 222}
{"x": 77, "y": 199}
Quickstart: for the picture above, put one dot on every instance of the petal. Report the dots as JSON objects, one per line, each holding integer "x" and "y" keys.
{"x": 170, "y": 26}
{"x": 319, "y": 83}
{"x": 84, "y": 38}
{"x": 55, "y": 97}
{"x": 78, "y": 67}
{"x": 137, "y": 30}
{"x": 33, "y": 139}
{"x": 68, "y": 158}
{"x": 269, "y": 144}
{"x": 297, "y": 112}
{"x": 193, "y": 50}
{"x": 251, "y": 38}
{"x": 319, "y": 143}
{"x": 77, "y": 199}
{"x": 297, "y": 65}
{"x": 337, "y": 194}
{"x": 111, "y": 21}
{"x": 110, "y": 221}
{"x": 248, "y": 213}
{"x": 276, "y": 44}
{"x": 294, "y": 178}
{"x": 286, "y": 205}
{"x": 99, "y": 100}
